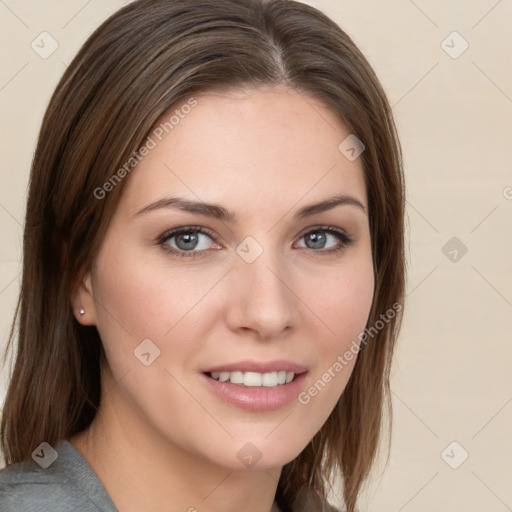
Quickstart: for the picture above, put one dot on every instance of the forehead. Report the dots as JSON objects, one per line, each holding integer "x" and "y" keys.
{"x": 246, "y": 148}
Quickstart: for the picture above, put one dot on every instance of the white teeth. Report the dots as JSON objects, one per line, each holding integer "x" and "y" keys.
{"x": 270, "y": 380}
{"x": 255, "y": 379}
{"x": 252, "y": 379}
{"x": 237, "y": 377}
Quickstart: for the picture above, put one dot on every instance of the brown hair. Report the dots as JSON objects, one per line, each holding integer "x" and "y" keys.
{"x": 136, "y": 65}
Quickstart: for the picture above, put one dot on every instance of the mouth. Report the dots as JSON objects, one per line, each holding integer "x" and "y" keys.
{"x": 255, "y": 379}
{"x": 256, "y": 386}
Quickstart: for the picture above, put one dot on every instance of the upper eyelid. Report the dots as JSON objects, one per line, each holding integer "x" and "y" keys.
{"x": 184, "y": 229}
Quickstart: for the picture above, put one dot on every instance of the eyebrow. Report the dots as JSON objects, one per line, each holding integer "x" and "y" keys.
{"x": 219, "y": 212}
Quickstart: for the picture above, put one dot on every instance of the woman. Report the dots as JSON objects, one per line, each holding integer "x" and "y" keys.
{"x": 213, "y": 268}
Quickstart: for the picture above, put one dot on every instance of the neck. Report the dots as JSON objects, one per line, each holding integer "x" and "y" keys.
{"x": 142, "y": 470}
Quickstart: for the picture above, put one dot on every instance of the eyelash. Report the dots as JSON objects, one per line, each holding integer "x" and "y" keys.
{"x": 161, "y": 241}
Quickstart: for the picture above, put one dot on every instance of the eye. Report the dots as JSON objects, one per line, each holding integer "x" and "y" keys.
{"x": 323, "y": 239}
{"x": 187, "y": 241}
{"x": 192, "y": 241}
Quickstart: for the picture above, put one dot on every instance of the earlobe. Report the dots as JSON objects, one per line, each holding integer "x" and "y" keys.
{"x": 83, "y": 301}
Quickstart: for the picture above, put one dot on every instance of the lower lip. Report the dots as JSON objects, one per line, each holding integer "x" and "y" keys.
{"x": 257, "y": 398}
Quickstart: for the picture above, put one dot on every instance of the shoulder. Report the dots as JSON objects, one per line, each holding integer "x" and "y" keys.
{"x": 308, "y": 500}
{"x": 25, "y": 489}
{"x": 28, "y": 487}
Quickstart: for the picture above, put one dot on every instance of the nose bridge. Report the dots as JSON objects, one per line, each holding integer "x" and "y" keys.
{"x": 262, "y": 299}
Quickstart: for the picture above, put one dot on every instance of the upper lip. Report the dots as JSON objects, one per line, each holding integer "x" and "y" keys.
{"x": 250, "y": 365}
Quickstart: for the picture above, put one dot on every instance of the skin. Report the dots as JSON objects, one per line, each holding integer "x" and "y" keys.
{"x": 162, "y": 440}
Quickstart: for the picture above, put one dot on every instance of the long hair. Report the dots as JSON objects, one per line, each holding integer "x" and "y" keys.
{"x": 141, "y": 61}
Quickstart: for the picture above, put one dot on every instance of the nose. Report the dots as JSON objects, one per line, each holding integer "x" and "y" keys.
{"x": 262, "y": 298}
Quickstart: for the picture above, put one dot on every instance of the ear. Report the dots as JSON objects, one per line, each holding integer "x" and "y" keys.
{"x": 83, "y": 299}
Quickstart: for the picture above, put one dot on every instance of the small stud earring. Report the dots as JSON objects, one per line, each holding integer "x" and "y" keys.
{"x": 82, "y": 311}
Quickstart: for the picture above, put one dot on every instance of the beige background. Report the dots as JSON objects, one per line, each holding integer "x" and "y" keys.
{"x": 452, "y": 376}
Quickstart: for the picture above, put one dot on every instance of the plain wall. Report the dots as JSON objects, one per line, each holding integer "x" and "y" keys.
{"x": 452, "y": 378}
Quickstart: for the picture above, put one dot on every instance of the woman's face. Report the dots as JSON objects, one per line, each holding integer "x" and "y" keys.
{"x": 272, "y": 284}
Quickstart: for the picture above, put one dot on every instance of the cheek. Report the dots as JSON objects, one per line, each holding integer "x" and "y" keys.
{"x": 344, "y": 300}
{"x": 342, "y": 303}
{"x": 139, "y": 300}
{"x": 135, "y": 298}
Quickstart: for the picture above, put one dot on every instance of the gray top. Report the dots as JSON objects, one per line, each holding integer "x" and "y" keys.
{"x": 61, "y": 480}
{"x": 67, "y": 484}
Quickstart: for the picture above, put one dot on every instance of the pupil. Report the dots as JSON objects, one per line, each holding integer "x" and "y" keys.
{"x": 190, "y": 239}
{"x": 317, "y": 239}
